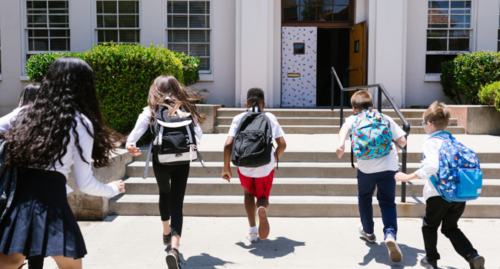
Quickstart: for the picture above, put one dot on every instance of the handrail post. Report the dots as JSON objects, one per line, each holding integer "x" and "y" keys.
{"x": 341, "y": 108}
{"x": 379, "y": 99}
{"x": 333, "y": 84}
{"x": 403, "y": 168}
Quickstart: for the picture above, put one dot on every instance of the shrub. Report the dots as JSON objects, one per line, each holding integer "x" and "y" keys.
{"x": 190, "y": 67}
{"x": 490, "y": 94}
{"x": 449, "y": 83}
{"x": 474, "y": 70}
{"x": 37, "y": 65}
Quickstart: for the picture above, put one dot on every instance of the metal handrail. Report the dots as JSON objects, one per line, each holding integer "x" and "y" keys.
{"x": 381, "y": 90}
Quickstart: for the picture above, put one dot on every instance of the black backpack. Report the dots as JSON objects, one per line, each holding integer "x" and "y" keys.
{"x": 174, "y": 140}
{"x": 253, "y": 142}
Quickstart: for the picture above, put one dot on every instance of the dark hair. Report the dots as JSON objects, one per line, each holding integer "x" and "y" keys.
{"x": 362, "y": 100}
{"x": 28, "y": 95}
{"x": 167, "y": 86}
{"x": 255, "y": 95}
{"x": 39, "y": 136}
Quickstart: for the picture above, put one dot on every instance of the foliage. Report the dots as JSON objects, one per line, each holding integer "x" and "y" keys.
{"x": 190, "y": 67}
{"x": 38, "y": 64}
{"x": 450, "y": 87}
{"x": 490, "y": 94}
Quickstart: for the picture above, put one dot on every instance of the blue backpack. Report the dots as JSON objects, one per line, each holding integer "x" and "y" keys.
{"x": 460, "y": 177}
{"x": 371, "y": 135}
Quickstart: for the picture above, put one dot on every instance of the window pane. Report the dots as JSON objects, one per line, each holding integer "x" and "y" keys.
{"x": 325, "y": 13}
{"x": 179, "y": 7}
{"x": 438, "y": 19}
{"x": 38, "y": 33}
{"x": 437, "y": 33}
{"x": 59, "y": 44}
{"x": 129, "y": 21}
{"x": 127, "y": 7}
{"x": 58, "y": 4}
{"x": 459, "y": 44}
{"x": 177, "y": 36}
{"x": 109, "y": 7}
{"x": 99, "y": 7}
{"x": 199, "y": 36}
{"x": 107, "y": 36}
{"x": 36, "y": 4}
{"x": 291, "y": 13}
{"x": 59, "y": 21}
{"x": 436, "y": 44}
{"x": 129, "y": 36}
{"x": 438, "y": 11}
{"x": 325, "y": 2}
{"x": 182, "y": 48}
{"x": 177, "y": 21}
{"x": 292, "y": 2}
{"x": 341, "y": 2}
{"x": 196, "y": 21}
{"x": 308, "y": 2}
{"x": 459, "y": 33}
{"x": 37, "y": 19}
{"x": 200, "y": 50}
{"x": 437, "y": 25}
{"x": 198, "y": 7}
{"x": 59, "y": 33}
{"x": 40, "y": 45}
{"x": 460, "y": 4}
{"x": 433, "y": 62}
{"x": 460, "y": 25}
{"x": 308, "y": 13}
{"x": 341, "y": 13}
{"x": 37, "y": 11}
{"x": 439, "y": 4}
{"x": 100, "y": 21}
{"x": 498, "y": 34}
{"x": 110, "y": 21}
{"x": 460, "y": 19}
{"x": 205, "y": 64}
{"x": 460, "y": 11}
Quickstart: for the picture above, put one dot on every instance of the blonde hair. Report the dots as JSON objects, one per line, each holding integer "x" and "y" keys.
{"x": 361, "y": 100}
{"x": 439, "y": 114}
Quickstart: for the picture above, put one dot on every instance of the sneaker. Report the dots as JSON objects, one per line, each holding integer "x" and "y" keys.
{"x": 428, "y": 265}
{"x": 394, "y": 252}
{"x": 252, "y": 237}
{"x": 264, "y": 228}
{"x": 167, "y": 239}
{"x": 172, "y": 259}
{"x": 369, "y": 238}
{"x": 476, "y": 261}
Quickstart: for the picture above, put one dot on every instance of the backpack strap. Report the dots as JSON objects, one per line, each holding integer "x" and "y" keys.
{"x": 201, "y": 161}
{"x": 147, "y": 161}
{"x": 352, "y": 155}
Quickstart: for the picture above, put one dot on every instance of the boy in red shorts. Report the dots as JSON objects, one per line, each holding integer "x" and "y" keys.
{"x": 256, "y": 181}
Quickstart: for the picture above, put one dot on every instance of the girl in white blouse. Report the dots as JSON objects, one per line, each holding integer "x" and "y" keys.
{"x": 63, "y": 127}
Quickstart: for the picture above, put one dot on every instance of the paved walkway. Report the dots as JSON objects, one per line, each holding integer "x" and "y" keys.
{"x": 135, "y": 242}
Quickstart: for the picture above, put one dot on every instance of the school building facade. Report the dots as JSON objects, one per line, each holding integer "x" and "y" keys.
{"x": 286, "y": 47}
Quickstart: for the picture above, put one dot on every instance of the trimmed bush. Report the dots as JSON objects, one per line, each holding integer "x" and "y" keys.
{"x": 490, "y": 94}
{"x": 190, "y": 67}
{"x": 37, "y": 65}
{"x": 449, "y": 83}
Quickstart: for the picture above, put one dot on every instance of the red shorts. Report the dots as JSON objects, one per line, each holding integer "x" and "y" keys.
{"x": 259, "y": 187}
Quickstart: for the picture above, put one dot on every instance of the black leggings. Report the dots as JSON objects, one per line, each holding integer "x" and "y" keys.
{"x": 172, "y": 181}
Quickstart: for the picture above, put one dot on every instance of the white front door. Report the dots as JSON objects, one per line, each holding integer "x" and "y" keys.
{"x": 298, "y": 66}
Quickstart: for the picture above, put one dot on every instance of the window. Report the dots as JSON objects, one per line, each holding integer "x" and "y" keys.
{"x": 118, "y": 21}
{"x": 188, "y": 30}
{"x": 47, "y": 26}
{"x": 316, "y": 10}
{"x": 299, "y": 48}
{"x": 448, "y": 32}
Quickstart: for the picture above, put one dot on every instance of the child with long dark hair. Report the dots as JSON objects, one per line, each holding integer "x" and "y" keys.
{"x": 61, "y": 128}
{"x": 171, "y": 179}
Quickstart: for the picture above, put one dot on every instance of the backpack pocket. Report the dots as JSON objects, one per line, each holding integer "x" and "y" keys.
{"x": 174, "y": 142}
{"x": 250, "y": 144}
{"x": 471, "y": 182}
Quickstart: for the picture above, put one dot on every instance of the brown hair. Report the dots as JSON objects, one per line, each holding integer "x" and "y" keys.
{"x": 361, "y": 100}
{"x": 439, "y": 114}
{"x": 167, "y": 86}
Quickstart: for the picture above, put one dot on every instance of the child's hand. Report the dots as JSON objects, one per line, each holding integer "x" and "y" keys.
{"x": 133, "y": 150}
{"x": 340, "y": 151}
{"x": 227, "y": 175}
{"x": 402, "y": 177}
{"x": 120, "y": 185}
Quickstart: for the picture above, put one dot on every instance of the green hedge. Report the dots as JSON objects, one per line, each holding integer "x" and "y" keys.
{"x": 190, "y": 67}
{"x": 123, "y": 75}
{"x": 467, "y": 73}
{"x": 490, "y": 94}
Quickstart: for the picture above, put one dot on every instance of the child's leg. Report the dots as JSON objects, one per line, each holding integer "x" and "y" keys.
{"x": 435, "y": 210}
{"x": 264, "y": 227}
{"x": 250, "y": 208}
{"x": 386, "y": 194}
{"x": 450, "y": 229}
{"x": 366, "y": 188}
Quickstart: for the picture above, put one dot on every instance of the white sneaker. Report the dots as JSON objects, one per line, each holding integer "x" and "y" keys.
{"x": 395, "y": 253}
{"x": 370, "y": 238}
{"x": 252, "y": 237}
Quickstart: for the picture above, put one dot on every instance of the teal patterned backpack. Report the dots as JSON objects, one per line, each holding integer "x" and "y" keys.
{"x": 371, "y": 135}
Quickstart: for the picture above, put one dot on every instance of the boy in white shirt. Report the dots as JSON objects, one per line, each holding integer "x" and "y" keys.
{"x": 438, "y": 211}
{"x": 256, "y": 181}
{"x": 377, "y": 173}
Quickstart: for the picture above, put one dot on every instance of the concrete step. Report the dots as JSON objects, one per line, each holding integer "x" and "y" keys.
{"x": 296, "y": 169}
{"x": 301, "y": 156}
{"x": 334, "y": 129}
{"x": 289, "y": 206}
{"x": 287, "y": 186}
{"x": 321, "y": 121}
{"x": 300, "y": 112}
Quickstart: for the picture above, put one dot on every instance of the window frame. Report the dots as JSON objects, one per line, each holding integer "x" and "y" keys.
{"x": 471, "y": 29}
{"x": 26, "y": 29}
{"x": 95, "y": 36}
{"x": 349, "y": 22}
{"x": 211, "y": 21}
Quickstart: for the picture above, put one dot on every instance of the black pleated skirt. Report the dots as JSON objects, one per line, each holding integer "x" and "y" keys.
{"x": 40, "y": 221}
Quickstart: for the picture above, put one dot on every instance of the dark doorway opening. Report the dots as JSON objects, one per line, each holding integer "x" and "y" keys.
{"x": 333, "y": 50}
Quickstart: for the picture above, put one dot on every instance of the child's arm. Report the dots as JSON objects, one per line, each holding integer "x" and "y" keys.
{"x": 405, "y": 177}
{"x": 342, "y": 138}
{"x": 402, "y": 142}
{"x": 228, "y": 147}
{"x": 280, "y": 149}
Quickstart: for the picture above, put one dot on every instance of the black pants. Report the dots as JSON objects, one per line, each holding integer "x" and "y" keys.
{"x": 35, "y": 262}
{"x": 441, "y": 212}
{"x": 172, "y": 181}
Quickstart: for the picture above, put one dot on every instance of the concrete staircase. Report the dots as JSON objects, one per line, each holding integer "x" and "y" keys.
{"x": 324, "y": 121}
{"x": 310, "y": 182}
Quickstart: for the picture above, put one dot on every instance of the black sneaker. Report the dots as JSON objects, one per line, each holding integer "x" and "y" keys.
{"x": 427, "y": 264}
{"x": 476, "y": 261}
{"x": 172, "y": 259}
{"x": 167, "y": 239}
